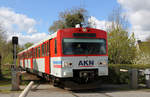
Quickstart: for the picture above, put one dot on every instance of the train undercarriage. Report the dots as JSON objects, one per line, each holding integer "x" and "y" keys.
{"x": 82, "y": 79}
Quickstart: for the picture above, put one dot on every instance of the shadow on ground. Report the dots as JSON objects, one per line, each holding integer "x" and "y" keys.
{"x": 111, "y": 88}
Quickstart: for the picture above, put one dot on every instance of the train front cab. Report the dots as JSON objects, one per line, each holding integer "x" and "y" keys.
{"x": 80, "y": 54}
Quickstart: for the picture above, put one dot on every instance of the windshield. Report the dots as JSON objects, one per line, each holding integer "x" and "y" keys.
{"x": 84, "y": 46}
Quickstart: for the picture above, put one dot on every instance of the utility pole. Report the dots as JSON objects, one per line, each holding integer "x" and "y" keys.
{"x": 14, "y": 70}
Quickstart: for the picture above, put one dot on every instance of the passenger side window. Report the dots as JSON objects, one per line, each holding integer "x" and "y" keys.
{"x": 42, "y": 49}
{"x": 39, "y": 52}
{"x": 47, "y": 48}
{"x": 36, "y": 52}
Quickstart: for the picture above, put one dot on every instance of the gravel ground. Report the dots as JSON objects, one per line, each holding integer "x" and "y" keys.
{"x": 46, "y": 90}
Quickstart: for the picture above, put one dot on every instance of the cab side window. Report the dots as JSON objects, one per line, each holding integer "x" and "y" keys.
{"x": 55, "y": 47}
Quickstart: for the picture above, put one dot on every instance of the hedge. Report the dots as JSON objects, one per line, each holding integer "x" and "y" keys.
{"x": 128, "y": 66}
{"x": 117, "y": 77}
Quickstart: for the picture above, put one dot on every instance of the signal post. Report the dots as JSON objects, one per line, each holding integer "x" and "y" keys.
{"x": 14, "y": 69}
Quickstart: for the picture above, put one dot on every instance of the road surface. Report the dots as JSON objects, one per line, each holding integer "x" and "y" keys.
{"x": 46, "y": 90}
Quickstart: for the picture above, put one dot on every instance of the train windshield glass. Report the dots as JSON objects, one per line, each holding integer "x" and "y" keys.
{"x": 84, "y": 46}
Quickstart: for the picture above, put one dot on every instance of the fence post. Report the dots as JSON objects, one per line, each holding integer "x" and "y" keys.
{"x": 133, "y": 73}
{"x": 147, "y": 77}
{"x": 148, "y": 81}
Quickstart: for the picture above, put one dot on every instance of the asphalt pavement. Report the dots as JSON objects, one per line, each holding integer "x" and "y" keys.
{"x": 46, "y": 90}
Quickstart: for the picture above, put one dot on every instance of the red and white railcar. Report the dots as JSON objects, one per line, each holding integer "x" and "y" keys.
{"x": 73, "y": 53}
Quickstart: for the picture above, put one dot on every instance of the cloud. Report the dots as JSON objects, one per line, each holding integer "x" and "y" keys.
{"x": 32, "y": 30}
{"x": 32, "y": 38}
{"x": 16, "y": 22}
{"x": 98, "y": 24}
{"x": 138, "y": 12}
{"x": 21, "y": 25}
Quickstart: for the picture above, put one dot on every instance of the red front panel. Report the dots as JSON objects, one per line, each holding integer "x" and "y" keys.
{"x": 68, "y": 33}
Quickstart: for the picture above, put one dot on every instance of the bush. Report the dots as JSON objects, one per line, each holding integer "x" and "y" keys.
{"x": 117, "y": 77}
{"x": 142, "y": 58}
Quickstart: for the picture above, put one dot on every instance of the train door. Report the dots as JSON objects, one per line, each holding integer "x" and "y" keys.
{"x": 31, "y": 54}
{"x": 47, "y": 57}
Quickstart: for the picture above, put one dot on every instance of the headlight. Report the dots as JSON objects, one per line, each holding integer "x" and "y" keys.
{"x": 102, "y": 63}
{"x": 67, "y": 64}
{"x": 105, "y": 63}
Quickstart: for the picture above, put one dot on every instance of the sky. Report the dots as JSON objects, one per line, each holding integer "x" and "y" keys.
{"x": 31, "y": 19}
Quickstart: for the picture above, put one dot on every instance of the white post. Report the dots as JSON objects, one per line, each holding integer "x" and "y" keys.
{"x": 27, "y": 89}
{"x": 147, "y": 77}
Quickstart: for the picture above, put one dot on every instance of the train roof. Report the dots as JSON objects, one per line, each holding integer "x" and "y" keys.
{"x": 54, "y": 35}
{"x": 36, "y": 44}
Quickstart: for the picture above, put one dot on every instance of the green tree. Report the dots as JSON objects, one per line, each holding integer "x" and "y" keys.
{"x": 7, "y": 57}
{"x": 143, "y": 56}
{"x": 2, "y": 45}
{"x": 27, "y": 45}
{"x": 142, "y": 59}
{"x": 121, "y": 47}
{"x": 69, "y": 18}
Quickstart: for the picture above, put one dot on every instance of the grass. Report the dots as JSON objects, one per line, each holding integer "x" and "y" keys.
{"x": 5, "y": 83}
{"x": 5, "y": 91}
{"x": 5, "y": 80}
